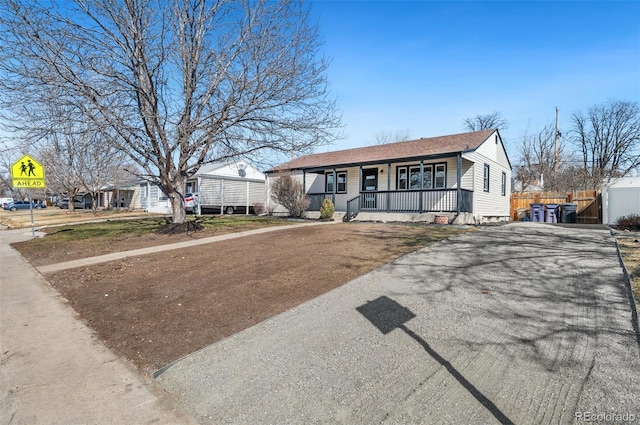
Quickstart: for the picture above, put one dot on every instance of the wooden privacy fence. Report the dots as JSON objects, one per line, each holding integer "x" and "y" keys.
{"x": 589, "y": 203}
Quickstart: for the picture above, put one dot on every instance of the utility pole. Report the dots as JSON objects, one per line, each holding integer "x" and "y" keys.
{"x": 557, "y": 149}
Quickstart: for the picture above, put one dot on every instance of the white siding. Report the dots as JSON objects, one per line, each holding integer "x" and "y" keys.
{"x": 620, "y": 198}
{"x": 467, "y": 178}
{"x": 216, "y": 192}
{"x": 492, "y": 203}
{"x": 620, "y": 201}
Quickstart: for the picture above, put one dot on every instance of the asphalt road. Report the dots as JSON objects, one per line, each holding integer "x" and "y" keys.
{"x": 520, "y": 324}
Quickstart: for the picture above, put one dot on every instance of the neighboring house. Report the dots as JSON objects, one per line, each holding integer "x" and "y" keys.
{"x": 620, "y": 198}
{"x": 466, "y": 177}
{"x": 127, "y": 195}
{"x": 233, "y": 187}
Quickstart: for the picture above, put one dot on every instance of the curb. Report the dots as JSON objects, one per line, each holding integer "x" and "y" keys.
{"x": 632, "y": 299}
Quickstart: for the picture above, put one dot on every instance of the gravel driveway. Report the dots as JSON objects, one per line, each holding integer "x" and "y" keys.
{"x": 525, "y": 323}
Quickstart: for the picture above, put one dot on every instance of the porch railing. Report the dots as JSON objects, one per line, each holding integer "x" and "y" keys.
{"x": 418, "y": 201}
{"x": 316, "y": 199}
{"x": 353, "y": 208}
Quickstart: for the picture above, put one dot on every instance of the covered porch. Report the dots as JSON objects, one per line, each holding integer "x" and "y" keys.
{"x": 426, "y": 185}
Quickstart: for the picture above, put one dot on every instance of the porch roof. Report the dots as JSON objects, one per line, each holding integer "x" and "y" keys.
{"x": 434, "y": 146}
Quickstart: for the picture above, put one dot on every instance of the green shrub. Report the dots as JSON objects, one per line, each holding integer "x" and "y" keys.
{"x": 628, "y": 222}
{"x": 327, "y": 209}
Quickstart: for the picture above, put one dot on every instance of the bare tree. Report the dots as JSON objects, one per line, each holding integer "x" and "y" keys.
{"x": 608, "y": 140}
{"x": 176, "y": 83}
{"x": 385, "y": 136}
{"x": 486, "y": 122}
{"x": 538, "y": 164}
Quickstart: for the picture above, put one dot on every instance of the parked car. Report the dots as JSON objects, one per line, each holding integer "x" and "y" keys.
{"x": 77, "y": 204}
{"x": 23, "y": 205}
{"x": 191, "y": 202}
{"x": 5, "y": 201}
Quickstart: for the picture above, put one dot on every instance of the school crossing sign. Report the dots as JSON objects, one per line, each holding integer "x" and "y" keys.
{"x": 27, "y": 173}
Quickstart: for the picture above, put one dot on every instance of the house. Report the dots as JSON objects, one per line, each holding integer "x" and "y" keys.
{"x": 621, "y": 197}
{"x": 133, "y": 194}
{"x": 230, "y": 187}
{"x": 465, "y": 177}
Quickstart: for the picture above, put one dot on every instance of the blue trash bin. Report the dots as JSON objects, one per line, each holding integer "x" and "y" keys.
{"x": 551, "y": 215}
{"x": 537, "y": 212}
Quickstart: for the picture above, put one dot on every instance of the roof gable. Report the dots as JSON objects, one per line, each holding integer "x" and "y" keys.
{"x": 425, "y": 147}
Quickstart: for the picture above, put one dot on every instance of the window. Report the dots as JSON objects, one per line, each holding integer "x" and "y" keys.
{"x": 329, "y": 182}
{"x": 433, "y": 176}
{"x": 504, "y": 184}
{"x": 486, "y": 177}
{"x": 441, "y": 176}
{"x": 401, "y": 184}
{"x": 414, "y": 178}
{"x": 427, "y": 178}
{"x": 342, "y": 182}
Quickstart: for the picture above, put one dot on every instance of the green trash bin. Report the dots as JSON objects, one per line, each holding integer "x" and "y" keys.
{"x": 568, "y": 213}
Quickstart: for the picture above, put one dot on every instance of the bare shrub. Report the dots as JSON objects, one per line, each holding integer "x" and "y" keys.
{"x": 628, "y": 222}
{"x": 258, "y": 208}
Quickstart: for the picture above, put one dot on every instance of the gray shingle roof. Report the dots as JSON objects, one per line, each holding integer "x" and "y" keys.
{"x": 391, "y": 151}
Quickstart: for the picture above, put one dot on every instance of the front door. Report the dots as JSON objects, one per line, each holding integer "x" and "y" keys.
{"x": 369, "y": 184}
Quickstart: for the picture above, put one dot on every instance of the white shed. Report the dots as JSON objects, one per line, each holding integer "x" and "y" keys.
{"x": 620, "y": 198}
{"x": 234, "y": 187}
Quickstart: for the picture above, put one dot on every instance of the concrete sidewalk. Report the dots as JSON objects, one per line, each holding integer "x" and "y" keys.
{"x": 52, "y": 368}
{"x": 50, "y": 268}
{"x": 519, "y": 324}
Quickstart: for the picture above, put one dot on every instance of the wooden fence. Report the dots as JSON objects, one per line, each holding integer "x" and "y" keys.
{"x": 589, "y": 203}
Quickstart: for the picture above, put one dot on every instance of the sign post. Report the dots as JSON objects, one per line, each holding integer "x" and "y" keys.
{"x": 27, "y": 173}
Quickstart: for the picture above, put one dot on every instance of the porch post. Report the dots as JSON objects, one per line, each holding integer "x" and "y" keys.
{"x": 421, "y": 184}
{"x": 335, "y": 187}
{"x": 458, "y": 182}
{"x": 360, "y": 190}
{"x": 304, "y": 181}
{"x": 388, "y": 186}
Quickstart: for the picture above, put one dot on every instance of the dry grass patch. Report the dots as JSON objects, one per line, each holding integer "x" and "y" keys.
{"x": 157, "y": 308}
{"x": 630, "y": 250}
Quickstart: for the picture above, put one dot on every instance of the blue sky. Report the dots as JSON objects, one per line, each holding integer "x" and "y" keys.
{"x": 424, "y": 66}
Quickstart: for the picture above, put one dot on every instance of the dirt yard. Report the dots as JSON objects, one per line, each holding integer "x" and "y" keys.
{"x": 157, "y": 308}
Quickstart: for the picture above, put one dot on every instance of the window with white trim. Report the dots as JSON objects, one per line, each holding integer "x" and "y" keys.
{"x": 329, "y": 182}
{"x": 504, "y": 184}
{"x": 342, "y": 182}
{"x": 434, "y": 176}
{"x": 440, "y": 176}
{"x": 414, "y": 178}
{"x": 486, "y": 177}
{"x": 401, "y": 184}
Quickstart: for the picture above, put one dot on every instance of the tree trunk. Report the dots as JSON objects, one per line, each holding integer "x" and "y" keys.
{"x": 175, "y": 192}
{"x": 177, "y": 206}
